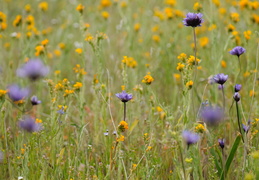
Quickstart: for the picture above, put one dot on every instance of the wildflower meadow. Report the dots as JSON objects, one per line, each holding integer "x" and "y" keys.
{"x": 129, "y": 89}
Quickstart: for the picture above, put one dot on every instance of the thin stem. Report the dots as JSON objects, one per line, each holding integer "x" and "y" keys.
{"x": 245, "y": 156}
{"x": 223, "y": 94}
{"x": 195, "y": 68}
{"x": 124, "y": 118}
{"x": 239, "y": 65}
{"x": 181, "y": 156}
{"x": 223, "y": 162}
{"x": 195, "y": 46}
{"x": 239, "y": 125}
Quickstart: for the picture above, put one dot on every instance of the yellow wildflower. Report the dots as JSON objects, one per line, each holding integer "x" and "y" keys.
{"x": 189, "y": 84}
{"x": 77, "y": 85}
{"x": 17, "y": 21}
{"x": 59, "y": 86}
{"x": 247, "y": 34}
{"x": 57, "y": 72}
{"x": 80, "y": 8}
{"x": 182, "y": 57}
{"x": 156, "y": 38}
{"x": 43, "y": 6}
{"x": 121, "y": 138}
{"x": 177, "y": 76}
{"x": 204, "y": 41}
{"x": 148, "y": 79}
{"x": 169, "y": 12}
{"x": 105, "y": 3}
{"x": 191, "y": 60}
{"x": 2, "y": 93}
{"x": 252, "y": 93}
{"x": 27, "y": 8}
{"x": 170, "y": 2}
{"x": 246, "y": 74}
{"x": 20, "y": 102}
{"x": 67, "y": 92}
{"x": 105, "y": 15}
{"x": 149, "y": 148}
{"x": 38, "y": 121}
{"x": 123, "y": 87}
{"x": 123, "y": 126}
{"x": 200, "y": 128}
{"x": 89, "y": 37}
{"x": 197, "y": 6}
{"x": 180, "y": 66}
{"x": 79, "y": 50}
{"x": 61, "y": 45}
{"x": 39, "y": 50}
{"x": 234, "y": 16}
{"x": 223, "y": 64}
{"x": 57, "y": 52}
{"x": 44, "y": 42}
{"x": 95, "y": 80}
{"x": 216, "y": 2}
{"x": 129, "y": 61}
{"x": 222, "y": 11}
{"x": 137, "y": 27}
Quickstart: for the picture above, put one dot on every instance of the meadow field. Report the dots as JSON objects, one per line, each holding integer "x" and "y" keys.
{"x": 129, "y": 89}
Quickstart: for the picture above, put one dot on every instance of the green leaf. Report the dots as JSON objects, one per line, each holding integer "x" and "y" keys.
{"x": 216, "y": 161}
{"x": 230, "y": 157}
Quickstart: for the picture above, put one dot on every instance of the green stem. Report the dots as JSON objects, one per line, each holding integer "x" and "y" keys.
{"x": 239, "y": 124}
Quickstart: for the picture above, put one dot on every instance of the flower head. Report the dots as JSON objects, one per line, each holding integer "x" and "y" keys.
{"x": 221, "y": 143}
{"x": 124, "y": 97}
{"x": 190, "y": 138}
{"x": 238, "y": 87}
{"x": 220, "y": 78}
{"x": 238, "y": 50}
{"x": 16, "y": 93}
{"x": 212, "y": 115}
{"x": 246, "y": 128}
{"x": 236, "y": 96}
{"x": 193, "y": 19}
{"x": 33, "y": 69}
{"x": 29, "y": 124}
{"x": 35, "y": 101}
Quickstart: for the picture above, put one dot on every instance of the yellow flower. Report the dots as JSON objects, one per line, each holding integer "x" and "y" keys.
{"x": 169, "y": 12}
{"x": 78, "y": 70}
{"x": 197, "y": 6}
{"x": 77, "y": 85}
{"x": 204, "y": 41}
{"x": 67, "y": 92}
{"x": 252, "y": 93}
{"x": 123, "y": 126}
{"x": 213, "y": 26}
{"x": 129, "y": 61}
{"x": 27, "y": 8}
{"x": 247, "y": 34}
{"x": 246, "y": 74}
{"x": 177, "y": 76}
{"x": 61, "y": 45}
{"x": 243, "y": 3}
{"x": 2, "y": 93}
{"x": 189, "y": 84}
{"x": 149, "y": 148}
{"x": 20, "y": 102}
{"x": 79, "y": 50}
{"x": 222, "y": 11}
{"x": 148, "y": 79}
{"x": 89, "y": 37}
{"x": 17, "y": 21}
{"x": 39, "y": 50}
{"x": 180, "y": 66}
{"x": 38, "y": 121}
{"x": 121, "y": 138}
{"x": 170, "y": 2}
{"x": 182, "y": 57}
{"x": 234, "y": 16}
{"x": 44, "y": 42}
{"x": 216, "y": 2}
{"x": 59, "y": 86}
{"x": 105, "y": 3}
{"x": 191, "y": 61}
{"x": 223, "y": 64}
{"x": 137, "y": 27}
{"x": 123, "y": 87}
{"x": 3, "y": 26}
{"x": 156, "y": 38}
{"x": 95, "y": 80}
{"x": 200, "y": 128}
{"x": 57, "y": 72}
{"x": 57, "y": 52}
{"x": 80, "y": 8}
{"x": 43, "y": 6}
{"x": 105, "y": 15}
{"x": 134, "y": 166}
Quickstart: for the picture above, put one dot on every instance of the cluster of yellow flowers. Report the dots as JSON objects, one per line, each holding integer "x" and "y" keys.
{"x": 148, "y": 79}
{"x": 129, "y": 61}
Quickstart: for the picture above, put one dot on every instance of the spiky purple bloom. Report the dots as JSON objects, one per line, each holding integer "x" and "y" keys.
{"x": 193, "y": 19}
{"x": 236, "y": 96}
{"x": 33, "y": 69}
{"x": 212, "y": 115}
{"x": 28, "y": 124}
{"x": 238, "y": 87}
{"x": 16, "y": 93}
{"x": 221, "y": 143}
{"x": 238, "y": 50}
{"x": 124, "y": 97}
{"x": 220, "y": 78}
{"x": 35, "y": 101}
{"x": 190, "y": 138}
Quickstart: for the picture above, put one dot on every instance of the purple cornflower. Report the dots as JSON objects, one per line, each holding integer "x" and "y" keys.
{"x": 221, "y": 143}
{"x": 246, "y": 128}
{"x": 238, "y": 87}
{"x": 124, "y": 97}
{"x": 236, "y": 96}
{"x": 212, "y": 115}
{"x": 190, "y": 138}
{"x": 238, "y": 50}
{"x": 28, "y": 124}
{"x": 16, "y": 93}
{"x": 33, "y": 69}
{"x": 35, "y": 101}
{"x": 193, "y": 19}
{"x": 220, "y": 78}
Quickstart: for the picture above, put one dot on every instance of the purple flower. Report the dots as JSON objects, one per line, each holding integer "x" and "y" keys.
{"x": 238, "y": 50}
{"x": 16, "y": 93}
{"x": 245, "y": 128}
{"x": 238, "y": 87}
{"x": 29, "y": 124}
{"x": 236, "y": 96}
{"x": 221, "y": 143}
{"x": 33, "y": 69}
{"x": 220, "y": 78}
{"x": 190, "y": 138}
{"x": 35, "y": 101}
{"x": 212, "y": 115}
{"x": 193, "y": 19}
{"x": 124, "y": 97}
